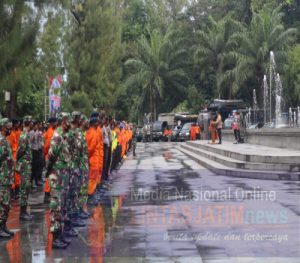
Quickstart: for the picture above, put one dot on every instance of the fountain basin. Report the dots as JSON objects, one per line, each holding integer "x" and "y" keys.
{"x": 278, "y": 137}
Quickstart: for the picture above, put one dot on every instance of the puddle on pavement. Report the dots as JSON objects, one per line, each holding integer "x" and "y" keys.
{"x": 32, "y": 241}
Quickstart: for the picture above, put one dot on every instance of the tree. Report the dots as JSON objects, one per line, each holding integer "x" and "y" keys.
{"x": 292, "y": 77}
{"x": 93, "y": 57}
{"x": 157, "y": 69}
{"x": 18, "y": 29}
{"x": 266, "y": 33}
{"x": 215, "y": 50}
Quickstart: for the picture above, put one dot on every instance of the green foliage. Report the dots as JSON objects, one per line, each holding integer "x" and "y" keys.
{"x": 79, "y": 101}
{"x": 292, "y": 77}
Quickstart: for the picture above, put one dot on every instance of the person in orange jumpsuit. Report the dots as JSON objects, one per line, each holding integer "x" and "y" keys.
{"x": 213, "y": 130}
{"x": 193, "y": 132}
{"x": 100, "y": 150}
{"x": 13, "y": 139}
{"x": 122, "y": 140}
{"x": 47, "y": 139}
{"x": 93, "y": 144}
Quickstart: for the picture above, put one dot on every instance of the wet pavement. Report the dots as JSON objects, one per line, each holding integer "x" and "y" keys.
{"x": 164, "y": 207}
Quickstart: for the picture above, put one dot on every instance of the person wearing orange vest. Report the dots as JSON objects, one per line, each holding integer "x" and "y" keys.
{"x": 47, "y": 138}
{"x": 193, "y": 132}
{"x": 93, "y": 144}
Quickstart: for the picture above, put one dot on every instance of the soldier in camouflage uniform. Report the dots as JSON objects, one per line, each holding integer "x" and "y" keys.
{"x": 58, "y": 171}
{"x": 84, "y": 169}
{"x": 6, "y": 178}
{"x": 23, "y": 167}
{"x": 75, "y": 145}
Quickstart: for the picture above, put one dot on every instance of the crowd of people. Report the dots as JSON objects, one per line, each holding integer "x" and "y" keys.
{"x": 73, "y": 158}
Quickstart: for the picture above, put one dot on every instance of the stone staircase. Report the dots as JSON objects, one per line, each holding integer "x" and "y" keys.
{"x": 244, "y": 160}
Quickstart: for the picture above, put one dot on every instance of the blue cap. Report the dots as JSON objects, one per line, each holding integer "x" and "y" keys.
{"x": 93, "y": 120}
{"x": 94, "y": 114}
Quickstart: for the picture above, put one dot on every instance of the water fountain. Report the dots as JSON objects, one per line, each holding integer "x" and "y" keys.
{"x": 278, "y": 101}
{"x": 298, "y": 118}
{"x": 266, "y": 96}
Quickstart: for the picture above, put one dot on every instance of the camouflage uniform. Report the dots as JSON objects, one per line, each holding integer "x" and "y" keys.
{"x": 74, "y": 144}
{"x": 23, "y": 167}
{"x": 84, "y": 170}
{"x": 58, "y": 166}
{"x": 6, "y": 178}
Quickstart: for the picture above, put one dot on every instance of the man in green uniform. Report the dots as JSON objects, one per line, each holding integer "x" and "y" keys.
{"x": 6, "y": 178}
{"x": 23, "y": 167}
{"x": 58, "y": 171}
{"x": 75, "y": 145}
{"x": 84, "y": 168}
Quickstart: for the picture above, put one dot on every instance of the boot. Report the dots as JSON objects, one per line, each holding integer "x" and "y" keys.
{"x": 6, "y": 230}
{"x": 69, "y": 231}
{"x": 65, "y": 239}
{"x": 3, "y": 234}
{"x": 86, "y": 212}
{"x": 47, "y": 198}
{"x": 24, "y": 216}
{"x": 83, "y": 215}
{"x": 57, "y": 243}
{"x": 92, "y": 201}
{"x": 77, "y": 222}
{"x": 17, "y": 193}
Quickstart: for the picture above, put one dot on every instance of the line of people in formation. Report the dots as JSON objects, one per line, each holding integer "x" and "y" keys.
{"x": 77, "y": 156}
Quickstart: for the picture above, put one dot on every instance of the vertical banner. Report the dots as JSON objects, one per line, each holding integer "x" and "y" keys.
{"x": 55, "y": 95}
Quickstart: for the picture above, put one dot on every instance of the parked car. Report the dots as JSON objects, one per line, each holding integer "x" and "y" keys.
{"x": 175, "y": 133}
{"x": 184, "y": 134}
{"x": 158, "y": 130}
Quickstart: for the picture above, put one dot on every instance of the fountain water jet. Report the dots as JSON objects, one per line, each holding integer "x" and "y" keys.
{"x": 278, "y": 101}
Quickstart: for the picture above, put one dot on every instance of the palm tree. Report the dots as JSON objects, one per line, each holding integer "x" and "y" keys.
{"x": 266, "y": 33}
{"x": 215, "y": 49}
{"x": 157, "y": 67}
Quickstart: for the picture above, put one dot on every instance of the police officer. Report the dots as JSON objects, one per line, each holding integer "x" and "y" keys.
{"x": 6, "y": 178}
{"x": 58, "y": 171}
{"x": 23, "y": 167}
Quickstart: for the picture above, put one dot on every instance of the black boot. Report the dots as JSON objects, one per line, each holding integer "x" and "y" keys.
{"x": 3, "y": 234}
{"x": 24, "y": 216}
{"x": 57, "y": 243}
{"x": 17, "y": 193}
{"x": 83, "y": 215}
{"x": 77, "y": 222}
{"x": 69, "y": 231}
{"x": 6, "y": 230}
{"x": 65, "y": 239}
{"x": 47, "y": 198}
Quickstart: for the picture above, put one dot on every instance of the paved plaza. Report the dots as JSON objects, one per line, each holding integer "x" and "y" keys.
{"x": 164, "y": 207}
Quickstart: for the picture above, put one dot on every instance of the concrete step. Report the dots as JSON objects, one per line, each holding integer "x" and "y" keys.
{"x": 252, "y": 153}
{"x": 233, "y": 163}
{"x": 220, "y": 169}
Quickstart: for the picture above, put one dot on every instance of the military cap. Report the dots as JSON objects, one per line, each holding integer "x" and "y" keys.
{"x": 14, "y": 121}
{"x": 93, "y": 120}
{"x": 76, "y": 114}
{"x": 94, "y": 114}
{"x": 4, "y": 122}
{"x": 84, "y": 118}
{"x": 65, "y": 115}
{"x": 27, "y": 118}
{"x": 52, "y": 120}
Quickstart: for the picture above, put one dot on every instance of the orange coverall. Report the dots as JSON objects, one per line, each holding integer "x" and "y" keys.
{"x": 93, "y": 144}
{"x": 14, "y": 142}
